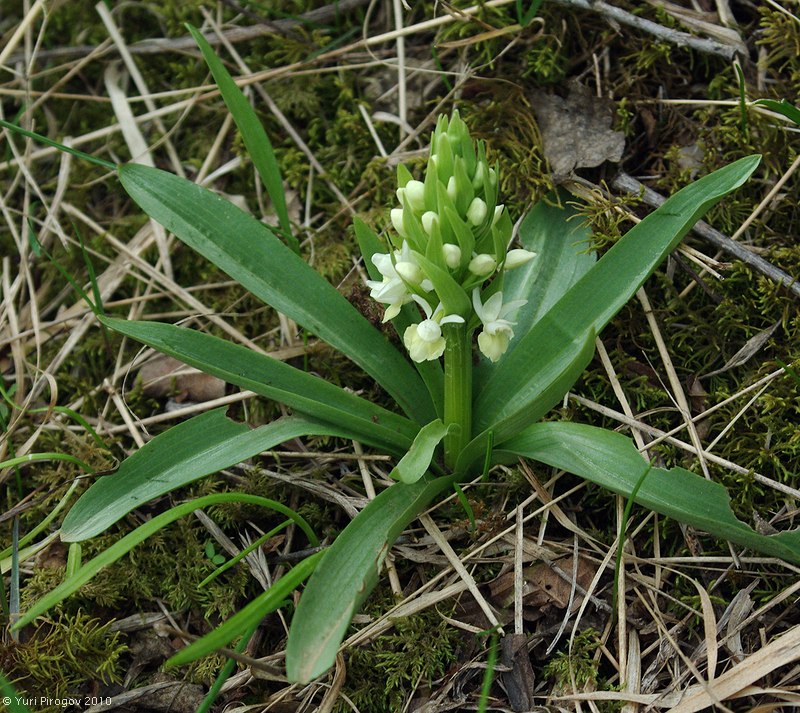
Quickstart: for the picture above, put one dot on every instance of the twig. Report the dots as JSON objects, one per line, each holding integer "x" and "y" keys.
{"x": 628, "y": 184}
{"x": 187, "y": 43}
{"x": 675, "y": 37}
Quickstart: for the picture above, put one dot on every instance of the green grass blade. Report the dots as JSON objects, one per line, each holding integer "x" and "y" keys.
{"x": 789, "y": 110}
{"x": 592, "y": 301}
{"x": 190, "y": 450}
{"x": 254, "y": 612}
{"x": 273, "y": 379}
{"x": 56, "y": 145}
{"x": 140, "y": 534}
{"x": 348, "y": 573}
{"x": 612, "y": 461}
{"x": 250, "y": 253}
{"x": 255, "y": 138}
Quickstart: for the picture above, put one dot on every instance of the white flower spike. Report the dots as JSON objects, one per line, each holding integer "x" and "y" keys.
{"x": 497, "y": 331}
{"x": 424, "y": 341}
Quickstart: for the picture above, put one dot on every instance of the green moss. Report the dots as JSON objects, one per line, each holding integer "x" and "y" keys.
{"x": 63, "y": 656}
{"x": 575, "y": 666}
{"x": 418, "y": 651}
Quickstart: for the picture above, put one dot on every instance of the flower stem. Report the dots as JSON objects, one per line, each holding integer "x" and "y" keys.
{"x": 457, "y": 391}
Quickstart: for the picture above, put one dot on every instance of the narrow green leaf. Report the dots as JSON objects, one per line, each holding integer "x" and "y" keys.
{"x": 248, "y": 251}
{"x": 612, "y": 461}
{"x": 592, "y": 301}
{"x": 415, "y": 463}
{"x": 140, "y": 534}
{"x": 348, "y": 573}
{"x": 251, "y": 614}
{"x": 190, "y": 450}
{"x": 790, "y": 111}
{"x": 255, "y": 138}
{"x": 349, "y": 414}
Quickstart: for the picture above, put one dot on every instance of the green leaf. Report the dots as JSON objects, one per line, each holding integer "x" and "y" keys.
{"x": 592, "y": 301}
{"x": 141, "y": 533}
{"x": 251, "y": 614}
{"x": 790, "y": 111}
{"x": 255, "y": 138}
{"x": 612, "y": 461}
{"x": 415, "y": 463}
{"x": 560, "y": 238}
{"x": 348, "y": 573}
{"x": 349, "y": 414}
{"x": 248, "y": 251}
{"x": 190, "y": 450}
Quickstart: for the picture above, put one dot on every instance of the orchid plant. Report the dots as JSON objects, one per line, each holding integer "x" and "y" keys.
{"x": 449, "y": 270}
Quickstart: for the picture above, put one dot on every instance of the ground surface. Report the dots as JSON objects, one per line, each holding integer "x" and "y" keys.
{"x": 575, "y": 96}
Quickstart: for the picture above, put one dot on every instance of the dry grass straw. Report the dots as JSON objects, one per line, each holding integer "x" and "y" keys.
{"x": 31, "y": 316}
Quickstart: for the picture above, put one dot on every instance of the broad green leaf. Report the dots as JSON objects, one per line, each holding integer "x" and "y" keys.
{"x": 140, "y": 534}
{"x": 250, "y": 253}
{"x": 592, "y": 301}
{"x": 612, "y": 461}
{"x": 349, "y": 414}
{"x": 415, "y": 463}
{"x": 430, "y": 371}
{"x": 251, "y": 614}
{"x": 560, "y": 371}
{"x": 255, "y": 138}
{"x": 190, "y": 450}
{"x": 348, "y": 573}
{"x": 560, "y": 238}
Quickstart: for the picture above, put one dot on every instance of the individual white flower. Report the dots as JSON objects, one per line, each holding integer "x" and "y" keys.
{"x": 393, "y": 290}
{"x": 482, "y": 265}
{"x": 476, "y": 213}
{"x": 424, "y": 341}
{"x": 497, "y": 331}
{"x": 452, "y": 255}
{"x": 517, "y": 257}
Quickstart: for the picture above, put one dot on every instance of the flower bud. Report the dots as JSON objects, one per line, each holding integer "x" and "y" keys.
{"x": 409, "y": 272}
{"x": 518, "y": 257}
{"x": 452, "y": 255}
{"x": 429, "y": 218}
{"x": 476, "y": 213}
{"x": 482, "y": 265}
{"x": 498, "y": 211}
{"x": 415, "y": 195}
{"x": 480, "y": 172}
{"x": 397, "y": 221}
{"x": 451, "y": 188}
